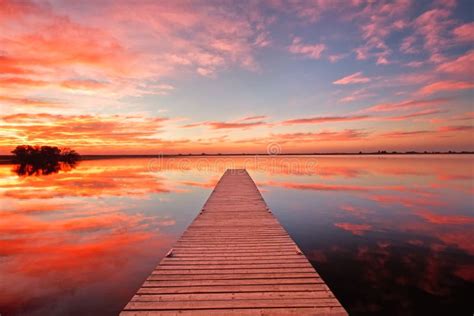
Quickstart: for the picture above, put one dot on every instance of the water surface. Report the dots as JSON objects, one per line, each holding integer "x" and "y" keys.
{"x": 389, "y": 234}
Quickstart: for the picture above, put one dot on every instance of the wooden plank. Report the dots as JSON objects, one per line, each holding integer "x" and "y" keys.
{"x": 232, "y": 282}
{"x": 307, "y": 311}
{"x": 224, "y": 304}
{"x": 235, "y": 276}
{"x": 230, "y": 296}
{"x": 180, "y": 261}
{"x": 233, "y": 266}
{"x": 227, "y": 271}
{"x": 234, "y": 259}
{"x": 234, "y": 288}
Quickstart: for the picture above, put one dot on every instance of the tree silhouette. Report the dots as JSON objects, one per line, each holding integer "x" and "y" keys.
{"x": 43, "y": 160}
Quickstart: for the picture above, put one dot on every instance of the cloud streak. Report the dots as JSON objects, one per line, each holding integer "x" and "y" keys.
{"x": 352, "y": 79}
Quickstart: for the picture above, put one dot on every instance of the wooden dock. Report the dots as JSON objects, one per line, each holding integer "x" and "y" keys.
{"x": 234, "y": 259}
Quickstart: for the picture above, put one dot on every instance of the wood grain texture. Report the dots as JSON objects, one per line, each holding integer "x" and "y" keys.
{"x": 234, "y": 259}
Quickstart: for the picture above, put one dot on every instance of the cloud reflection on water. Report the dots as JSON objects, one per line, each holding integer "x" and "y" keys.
{"x": 372, "y": 226}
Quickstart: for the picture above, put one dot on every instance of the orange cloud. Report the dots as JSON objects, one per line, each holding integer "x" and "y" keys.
{"x": 456, "y": 128}
{"x": 21, "y": 82}
{"x": 80, "y": 130}
{"x": 116, "y": 51}
{"x": 82, "y": 84}
{"x": 107, "y": 178}
{"x": 29, "y": 102}
{"x": 206, "y": 185}
{"x": 70, "y": 262}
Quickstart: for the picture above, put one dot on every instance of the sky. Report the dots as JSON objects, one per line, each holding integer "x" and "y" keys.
{"x": 163, "y": 77}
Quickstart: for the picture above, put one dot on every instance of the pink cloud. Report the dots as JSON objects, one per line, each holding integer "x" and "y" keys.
{"x": 397, "y": 134}
{"x": 406, "y": 105}
{"x": 344, "y": 135}
{"x": 408, "y": 43}
{"x": 255, "y": 117}
{"x": 465, "y": 32}
{"x": 443, "y": 129}
{"x": 431, "y": 24}
{"x": 356, "y": 95}
{"x": 415, "y": 115}
{"x": 376, "y": 22}
{"x": 352, "y": 79}
{"x": 459, "y": 66}
{"x": 445, "y": 85}
{"x": 329, "y": 136}
{"x": 445, "y": 219}
{"x": 415, "y": 64}
{"x": 336, "y": 57}
{"x": 312, "y": 51}
{"x": 362, "y": 53}
{"x": 324, "y": 119}
{"x": 355, "y": 229}
{"x": 120, "y": 49}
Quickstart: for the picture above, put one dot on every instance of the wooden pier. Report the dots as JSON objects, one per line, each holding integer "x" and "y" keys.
{"x": 234, "y": 259}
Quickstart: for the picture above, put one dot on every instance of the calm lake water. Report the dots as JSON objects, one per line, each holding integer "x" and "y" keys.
{"x": 390, "y": 235}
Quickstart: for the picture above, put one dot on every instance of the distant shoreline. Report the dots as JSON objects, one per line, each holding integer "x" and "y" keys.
{"x": 7, "y": 159}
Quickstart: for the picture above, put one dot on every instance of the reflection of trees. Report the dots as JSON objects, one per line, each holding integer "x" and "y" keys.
{"x": 38, "y": 169}
{"x": 43, "y": 160}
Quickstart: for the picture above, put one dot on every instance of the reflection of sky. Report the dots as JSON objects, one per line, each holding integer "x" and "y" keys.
{"x": 392, "y": 232}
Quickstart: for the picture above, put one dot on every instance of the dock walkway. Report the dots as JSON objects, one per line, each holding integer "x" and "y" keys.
{"x": 234, "y": 259}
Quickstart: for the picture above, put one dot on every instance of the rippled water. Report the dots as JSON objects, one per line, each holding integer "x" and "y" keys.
{"x": 388, "y": 234}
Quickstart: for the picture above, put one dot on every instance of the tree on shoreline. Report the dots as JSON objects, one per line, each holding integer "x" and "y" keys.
{"x": 43, "y": 160}
{"x": 44, "y": 154}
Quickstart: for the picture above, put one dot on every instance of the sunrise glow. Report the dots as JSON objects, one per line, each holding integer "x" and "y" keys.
{"x": 143, "y": 77}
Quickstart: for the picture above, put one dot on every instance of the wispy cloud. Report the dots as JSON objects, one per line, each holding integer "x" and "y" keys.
{"x": 227, "y": 125}
{"x": 312, "y": 51}
{"x": 445, "y": 85}
{"x": 406, "y": 105}
{"x": 324, "y": 119}
{"x": 352, "y": 79}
